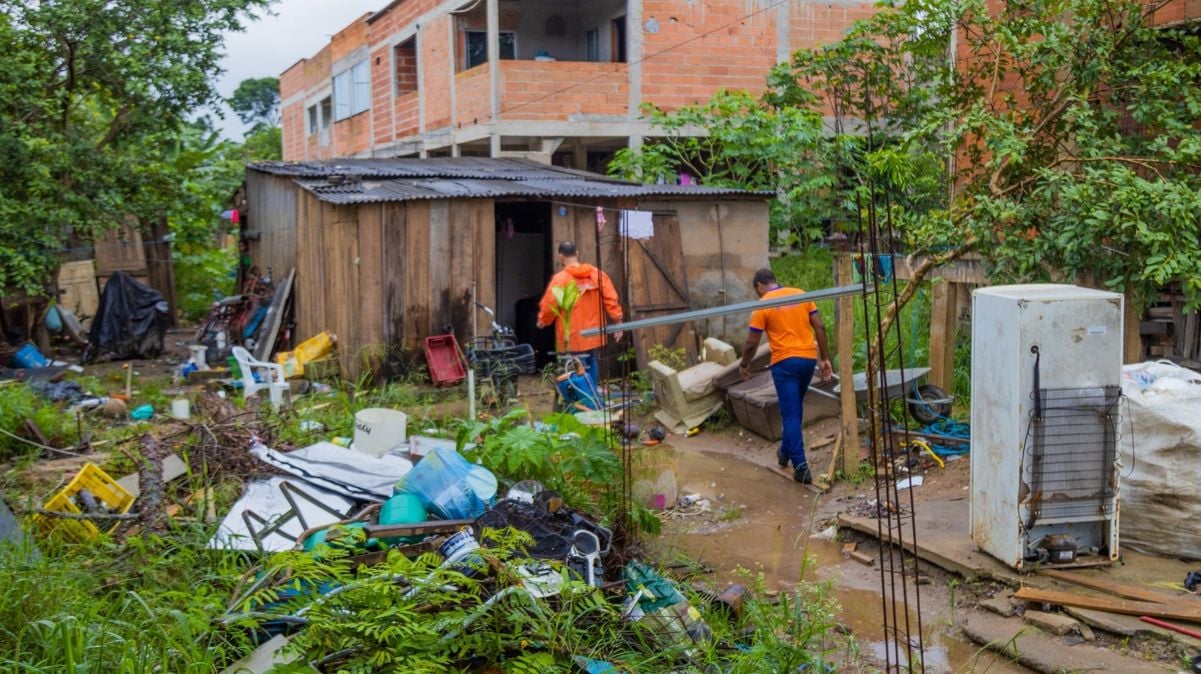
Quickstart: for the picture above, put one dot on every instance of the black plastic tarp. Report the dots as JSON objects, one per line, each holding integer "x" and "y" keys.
{"x": 130, "y": 323}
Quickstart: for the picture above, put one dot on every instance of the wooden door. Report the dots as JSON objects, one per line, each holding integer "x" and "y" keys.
{"x": 659, "y": 286}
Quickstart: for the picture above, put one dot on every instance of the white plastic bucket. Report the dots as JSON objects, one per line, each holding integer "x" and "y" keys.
{"x": 377, "y": 430}
{"x": 181, "y": 408}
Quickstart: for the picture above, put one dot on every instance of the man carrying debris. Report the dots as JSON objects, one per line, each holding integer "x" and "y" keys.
{"x": 597, "y": 297}
{"x": 797, "y": 336}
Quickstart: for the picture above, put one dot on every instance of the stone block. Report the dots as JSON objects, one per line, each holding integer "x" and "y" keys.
{"x": 1055, "y": 623}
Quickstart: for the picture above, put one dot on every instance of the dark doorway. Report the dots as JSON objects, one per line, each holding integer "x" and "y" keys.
{"x": 523, "y": 268}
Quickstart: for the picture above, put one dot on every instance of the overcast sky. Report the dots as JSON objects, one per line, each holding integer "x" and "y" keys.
{"x": 298, "y": 28}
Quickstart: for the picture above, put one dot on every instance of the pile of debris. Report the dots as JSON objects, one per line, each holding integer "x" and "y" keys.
{"x": 428, "y": 537}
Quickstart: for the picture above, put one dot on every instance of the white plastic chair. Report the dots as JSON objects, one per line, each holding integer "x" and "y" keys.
{"x": 271, "y": 373}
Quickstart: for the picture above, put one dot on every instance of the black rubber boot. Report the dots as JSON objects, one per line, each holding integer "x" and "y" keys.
{"x": 781, "y": 458}
{"x": 802, "y": 474}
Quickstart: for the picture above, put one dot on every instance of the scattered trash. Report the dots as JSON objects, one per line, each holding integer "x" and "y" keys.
{"x": 915, "y": 481}
{"x": 311, "y": 350}
{"x": 308, "y": 425}
{"x": 67, "y": 391}
{"x": 290, "y": 512}
{"x": 1192, "y": 581}
{"x": 441, "y": 481}
{"x": 378, "y": 430}
{"x": 334, "y": 468}
{"x": 827, "y": 534}
{"x": 142, "y": 413}
{"x": 91, "y": 492}
{"x": 28, "y": 356}
{"x": 130, "y": 323}
{"x": 181, "y": 408}
{"x": 658, "y": 605}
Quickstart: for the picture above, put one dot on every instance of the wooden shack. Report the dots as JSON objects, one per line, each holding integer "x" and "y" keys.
{"x": 390, "y": 251}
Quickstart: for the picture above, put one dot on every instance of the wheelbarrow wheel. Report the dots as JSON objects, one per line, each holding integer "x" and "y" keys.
{"x": 929, "y": 404}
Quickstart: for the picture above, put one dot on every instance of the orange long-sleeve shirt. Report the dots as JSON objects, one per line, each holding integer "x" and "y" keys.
{"x": 596, "y": 292}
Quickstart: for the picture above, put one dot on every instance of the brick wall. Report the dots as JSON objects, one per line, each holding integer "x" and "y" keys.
{"x": 737, "y": 55}
{"x": 532, "y": 90}
{"x": 473, "y": 96}
{"x": 406, "y": 67}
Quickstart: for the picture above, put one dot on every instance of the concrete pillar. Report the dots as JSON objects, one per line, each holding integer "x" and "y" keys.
{"x": 493, "y": 12}
{"x": 634, "y": 52}
{"x": 579, "y": 155}
{"x": 784, "y": 31}
{"x": 453, "y": 62}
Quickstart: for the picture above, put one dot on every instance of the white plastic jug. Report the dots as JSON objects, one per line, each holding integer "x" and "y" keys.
{"x": 181, "y": 408}
{"x": 377, "y": 430}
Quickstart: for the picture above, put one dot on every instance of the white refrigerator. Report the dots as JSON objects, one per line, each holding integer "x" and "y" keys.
{"x": 1046, "y": 403}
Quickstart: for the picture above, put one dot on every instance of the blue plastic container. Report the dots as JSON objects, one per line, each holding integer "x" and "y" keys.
{"x": 28, "y": 356}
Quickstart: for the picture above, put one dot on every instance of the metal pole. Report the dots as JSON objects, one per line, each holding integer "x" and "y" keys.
{"x": 740, "y": 307}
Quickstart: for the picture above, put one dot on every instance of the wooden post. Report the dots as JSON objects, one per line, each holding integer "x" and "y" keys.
{"x": 849, "y": 438}
{"x": 944, "y": 324}
{"x": 1132, "y": 347}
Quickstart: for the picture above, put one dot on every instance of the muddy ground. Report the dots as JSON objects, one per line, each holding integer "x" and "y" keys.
{"x": 762, "y": 522}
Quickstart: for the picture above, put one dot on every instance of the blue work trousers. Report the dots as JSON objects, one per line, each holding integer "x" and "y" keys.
{"x": 791, "y": 377}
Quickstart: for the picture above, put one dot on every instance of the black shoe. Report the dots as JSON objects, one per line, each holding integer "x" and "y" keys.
{"x": 781, "y": 458}
{"x": 802, "y": 474}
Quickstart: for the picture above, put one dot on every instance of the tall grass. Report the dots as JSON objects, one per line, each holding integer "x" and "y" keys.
{"x": 145, "y": 606}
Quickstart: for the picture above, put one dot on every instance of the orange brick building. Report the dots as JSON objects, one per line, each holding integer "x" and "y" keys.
{"x": 558, "y": 81}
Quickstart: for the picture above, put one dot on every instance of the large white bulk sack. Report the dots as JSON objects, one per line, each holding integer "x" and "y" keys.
{"x": 1161, "y": 460}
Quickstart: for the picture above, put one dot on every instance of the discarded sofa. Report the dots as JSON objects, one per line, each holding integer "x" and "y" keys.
{"x": 688, "y": 397}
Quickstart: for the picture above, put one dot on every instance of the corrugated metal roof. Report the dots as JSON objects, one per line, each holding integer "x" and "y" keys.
{"x": 369, "y": 190}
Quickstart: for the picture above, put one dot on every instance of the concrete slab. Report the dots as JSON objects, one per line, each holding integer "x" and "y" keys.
{"x": 1002, "y": 604}
{"x": 1128, "y": 626}
{"x": 944, "y": 539}
{"x": 1043, "y": 653}
{"x": 1055, "y": 623}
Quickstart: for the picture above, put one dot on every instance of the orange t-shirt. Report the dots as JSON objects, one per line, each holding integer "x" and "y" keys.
{"x": 788, "y": 330}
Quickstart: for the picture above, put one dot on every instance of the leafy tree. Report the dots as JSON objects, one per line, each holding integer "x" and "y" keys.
{"x": 256, "y": 101}
{"x": 93, "y": 98}
{"x": 1058, "y": 138}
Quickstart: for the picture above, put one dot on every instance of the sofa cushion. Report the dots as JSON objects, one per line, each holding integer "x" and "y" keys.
{"x": 698, "y": 381}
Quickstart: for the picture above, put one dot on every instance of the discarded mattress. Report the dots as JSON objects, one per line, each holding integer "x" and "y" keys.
{"x": 342, "y": 471}
{"x": 1161, "y": 460}
{"x": 130, "y": 323}
{"x": 267, "y": 501}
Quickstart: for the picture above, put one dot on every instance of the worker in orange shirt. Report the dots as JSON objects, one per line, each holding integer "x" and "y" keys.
{"x": 797, "y": 338}
{"x": 598, "y": 297}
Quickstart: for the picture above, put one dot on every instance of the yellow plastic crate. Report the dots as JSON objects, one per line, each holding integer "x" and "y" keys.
{"x": 104, "y": 488}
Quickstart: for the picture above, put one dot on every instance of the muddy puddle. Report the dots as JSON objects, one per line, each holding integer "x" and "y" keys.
{"x": 762, "y": 522}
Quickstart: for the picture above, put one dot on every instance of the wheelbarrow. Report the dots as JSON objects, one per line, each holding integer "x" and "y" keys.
{"x": 926, "y": 402}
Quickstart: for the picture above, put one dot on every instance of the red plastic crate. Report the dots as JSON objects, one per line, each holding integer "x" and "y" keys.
{"x": 442, "y": 354}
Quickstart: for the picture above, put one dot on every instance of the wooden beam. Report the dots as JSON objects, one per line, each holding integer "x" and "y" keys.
{"x": 1180, "y": 610}
{"x": 845, "y": 328}
{"x": 1109, "y": 587}
{"x": 944, "y": 325}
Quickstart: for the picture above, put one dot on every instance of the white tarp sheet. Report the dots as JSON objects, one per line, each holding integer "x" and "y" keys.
{"x": 265, "y": 499}
{"x": 1161, "y": 460}
{"x": 340, "y": 470}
